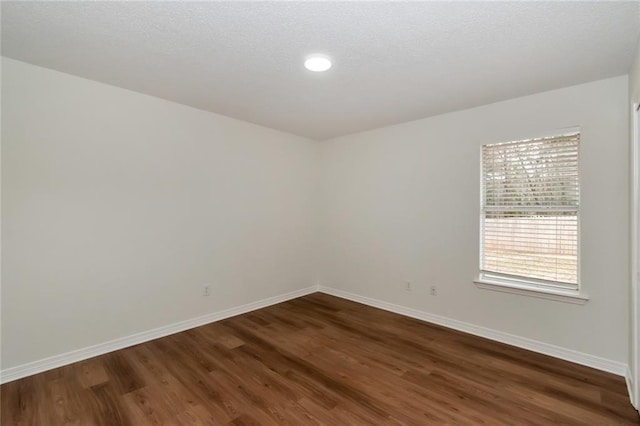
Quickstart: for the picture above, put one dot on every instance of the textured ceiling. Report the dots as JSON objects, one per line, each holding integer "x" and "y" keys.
{"x": 393, "y": 61}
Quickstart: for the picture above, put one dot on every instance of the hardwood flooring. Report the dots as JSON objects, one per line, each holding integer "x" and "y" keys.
{"x": 319, "y": 360}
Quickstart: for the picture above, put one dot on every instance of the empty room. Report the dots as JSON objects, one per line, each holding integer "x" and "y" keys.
{"x": 320, "y": 213}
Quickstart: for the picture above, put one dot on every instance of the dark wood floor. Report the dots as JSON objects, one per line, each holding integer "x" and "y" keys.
{"x": 319, "y": 360}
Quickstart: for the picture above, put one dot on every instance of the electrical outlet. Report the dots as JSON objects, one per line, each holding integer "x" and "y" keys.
{"x": 407, "y": 286}
{"x": 433, "y": 290}
{"x": 205, "y": 290}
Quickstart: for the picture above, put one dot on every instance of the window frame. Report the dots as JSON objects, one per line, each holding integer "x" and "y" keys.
{"x": 529, "y": 286}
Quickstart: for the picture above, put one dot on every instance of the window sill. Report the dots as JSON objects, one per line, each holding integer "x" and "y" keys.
{"x": 532, "y": 290}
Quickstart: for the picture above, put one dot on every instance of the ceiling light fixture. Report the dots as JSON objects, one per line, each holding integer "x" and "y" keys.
{"x": 317, "y": 63}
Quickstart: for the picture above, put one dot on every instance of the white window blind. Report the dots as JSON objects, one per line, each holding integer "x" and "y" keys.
{"x": 530, "y": 203}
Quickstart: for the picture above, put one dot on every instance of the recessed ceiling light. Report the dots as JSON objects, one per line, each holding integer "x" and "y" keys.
{"x": 317, "y": 63}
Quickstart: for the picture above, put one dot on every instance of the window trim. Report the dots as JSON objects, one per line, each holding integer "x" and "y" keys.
{"x": 493, "y": 282}
{"x": 527, "y": 286}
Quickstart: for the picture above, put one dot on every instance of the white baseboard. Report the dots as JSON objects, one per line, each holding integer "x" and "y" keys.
{"x": 60, "y": 360}
{"x": 628, "y": 378}
{"x": 593, "y": 361}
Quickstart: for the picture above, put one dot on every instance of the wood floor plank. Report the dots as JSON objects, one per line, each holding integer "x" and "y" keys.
{"x": 109, "y": 407}
{"x": 319, "y": 360}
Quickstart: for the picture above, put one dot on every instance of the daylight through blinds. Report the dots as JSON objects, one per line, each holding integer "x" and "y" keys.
{"x": 530, "y": 200}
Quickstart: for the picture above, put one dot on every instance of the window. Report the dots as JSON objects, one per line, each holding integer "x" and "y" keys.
{"x": 530, "y": 206}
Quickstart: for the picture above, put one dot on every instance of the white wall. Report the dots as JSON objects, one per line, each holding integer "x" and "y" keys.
{"x": 634, "y": 299}
{"x": 634, "y": 76}
{"x": 403, "y": 205}
{"x": 117, "y": 207}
